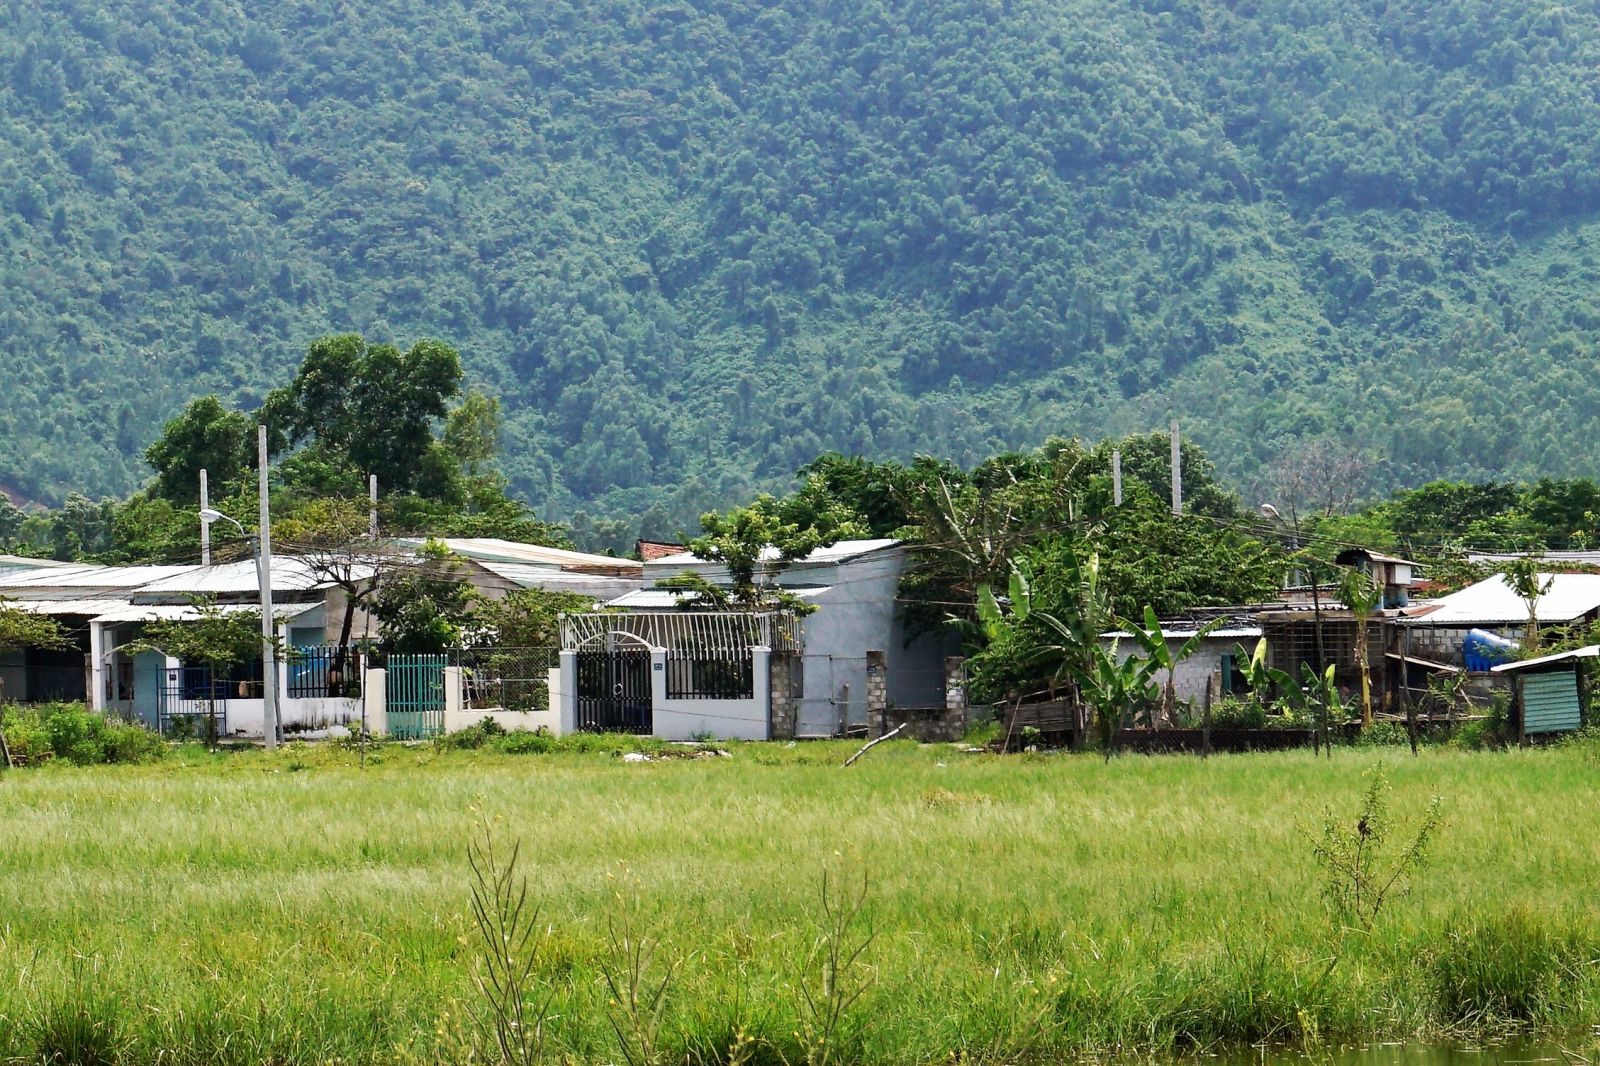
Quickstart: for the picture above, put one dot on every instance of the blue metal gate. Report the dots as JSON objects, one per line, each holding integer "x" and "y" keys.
{"x": 415, "y": 696}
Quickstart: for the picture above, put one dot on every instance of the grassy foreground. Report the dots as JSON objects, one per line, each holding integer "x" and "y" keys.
{"x": 298, "y": 908}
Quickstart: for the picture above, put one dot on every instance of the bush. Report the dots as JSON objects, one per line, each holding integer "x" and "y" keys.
{"x": 1234, "y": 713}
{"x": 1485, "y": 733}
{"x": 72, "y": 733}
{"x": 522, "y": 742}
{"x": 475, "y": 736}
{"x": 1384, "y": 734}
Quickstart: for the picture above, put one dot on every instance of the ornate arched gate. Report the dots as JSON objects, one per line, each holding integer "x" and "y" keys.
{"x": 614, "y": 686}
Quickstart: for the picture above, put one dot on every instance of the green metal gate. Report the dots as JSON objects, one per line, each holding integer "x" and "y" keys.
{"x": 415, "y": 703}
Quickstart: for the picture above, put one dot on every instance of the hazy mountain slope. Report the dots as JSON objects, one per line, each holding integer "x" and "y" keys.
{"x": 692, "y": 245}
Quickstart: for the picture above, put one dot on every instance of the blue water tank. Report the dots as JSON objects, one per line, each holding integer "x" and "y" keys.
{"x": 1484, "y": 649}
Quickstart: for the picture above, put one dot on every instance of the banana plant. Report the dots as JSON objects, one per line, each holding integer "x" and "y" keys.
{"x": 1362, "y": 596}
{"x": 1166, "y": 658}
{"x": 1266, "y": 683}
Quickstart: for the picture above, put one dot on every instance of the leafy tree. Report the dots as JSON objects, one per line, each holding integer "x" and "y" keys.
{"x": 1525, "y": 578}
{"x": 755, "y": 544}
{"x": 426, "y": 607}
{"x": 527, "y": 618}
{"x": 218, "y": 639}
{"x": 205, "y": 436}
{"x": 330, "y": 537}
{"x": 1167, "y": 658}
{"x": 347, "y": 388}
{"x": 1363, "y": 596}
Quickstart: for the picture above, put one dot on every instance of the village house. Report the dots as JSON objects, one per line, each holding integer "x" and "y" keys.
{"x": 106, "y": 612}
{"x": 651, "y": 662}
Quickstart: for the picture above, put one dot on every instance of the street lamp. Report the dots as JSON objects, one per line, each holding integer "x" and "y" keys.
{"x": 209, "y": 515}
{"x": 269, "y": 667}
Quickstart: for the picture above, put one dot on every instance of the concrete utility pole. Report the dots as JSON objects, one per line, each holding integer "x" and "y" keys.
{"x": 269, "y": 648}
{"x": 205, "y": 527}
{"x": 1116, "y": 477}
{"x": 1177, "y": 472}
{"x": 372, "y": 506}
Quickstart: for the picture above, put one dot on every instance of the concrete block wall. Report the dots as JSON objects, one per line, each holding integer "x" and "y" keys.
{"x": 786, "y": 674}
{"x": 937, "y": 724}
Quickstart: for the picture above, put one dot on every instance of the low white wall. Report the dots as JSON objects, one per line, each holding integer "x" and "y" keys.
{"x": 246, "y": 717}
{"x": 722, "y": 719}
{"x": 510, "y": 721}
{"x": 749, "y": 719}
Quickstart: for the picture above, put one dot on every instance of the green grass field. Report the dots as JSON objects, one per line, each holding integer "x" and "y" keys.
{"x": 298, "y": 908}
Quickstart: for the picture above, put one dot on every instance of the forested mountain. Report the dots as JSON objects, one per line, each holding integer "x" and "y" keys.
{"x": 692, "y": 245}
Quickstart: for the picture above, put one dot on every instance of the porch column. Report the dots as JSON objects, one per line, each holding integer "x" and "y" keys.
{"x": 281, "y": 669}
{"x": 955, "y": 696}
{"x": 760, "y": 666}
{"x": 452, "y": 698}
{"x": 567, "y": 707}
{"x": 375, "y": 702}
{"x": 97, "y": 667}
{"x": 658, "y": 677}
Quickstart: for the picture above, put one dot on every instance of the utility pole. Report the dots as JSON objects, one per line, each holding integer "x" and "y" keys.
{"x": 372, "y": 506}
{"x": 1177, "y": 472}
{"x": 1116, "y": 476}
{"x": 205, "y": 527}
{"x": 269, "y": 636}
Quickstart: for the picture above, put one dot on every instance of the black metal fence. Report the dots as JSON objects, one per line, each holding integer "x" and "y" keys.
{"x": 516, "y": 679}
{"x": 325, "y": 670}
{"x": 193, "y": 701}
{"x": 711, "y": 674}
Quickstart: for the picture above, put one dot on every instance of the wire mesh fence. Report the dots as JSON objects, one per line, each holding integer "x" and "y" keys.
{"x": 513, "y": 679}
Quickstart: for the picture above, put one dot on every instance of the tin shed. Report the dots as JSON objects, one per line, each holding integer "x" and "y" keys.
{"x": 1549, "y": 691}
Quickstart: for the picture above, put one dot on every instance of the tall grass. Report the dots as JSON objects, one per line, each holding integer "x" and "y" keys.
{"x": 295, "y": 908}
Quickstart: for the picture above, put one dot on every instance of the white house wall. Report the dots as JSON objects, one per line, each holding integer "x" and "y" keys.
{"x": 859, "y": 612}
{"x": 1194, "y": 674}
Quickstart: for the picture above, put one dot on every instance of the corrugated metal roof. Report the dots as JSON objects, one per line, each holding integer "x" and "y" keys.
{"x": 87, "y": 606}
{"x": 1592, "y": 651}
{"x": 531, "y": 576}
{"x": 661, "y": 599}
{"x": 1184, "y": 633}
{"x": 838, "y": 552}
{"x": 289, "y": 574}
{"x": 85, "y": 577}
{"x": 492, "y": 550}
{"x": 1591, "y": 558}
{"x": 1491, "y": 602}
{"x": 178, "y": 612}
{"x": 27, "y": 562}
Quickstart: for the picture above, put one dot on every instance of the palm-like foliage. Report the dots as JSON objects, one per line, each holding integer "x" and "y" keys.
{"x": 1362, "y": 596}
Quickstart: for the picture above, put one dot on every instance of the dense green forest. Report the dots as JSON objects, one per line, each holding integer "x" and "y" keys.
{"x": 691, "y": 246}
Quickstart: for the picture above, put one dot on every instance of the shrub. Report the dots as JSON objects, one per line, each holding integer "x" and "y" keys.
{"x": 1384, "y": 734}
{"x": 27, "y": 737}
{"x": 474, "y": 736}
{"x": 1487, "y": 732}
{"x": 73, "y": 733}
{"x": 1233, "y": 713}
{"x": 522, "y": 742}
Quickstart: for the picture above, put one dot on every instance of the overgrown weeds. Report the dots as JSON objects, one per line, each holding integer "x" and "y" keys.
{"x": 70, "y": 732}
{"x": 511, "y": 1006}
{"x": 834, "y": 975}
{"x": 1360, "y": 874}
{"x": 637, "y": 978}
{"x": 83, "y": 1030}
